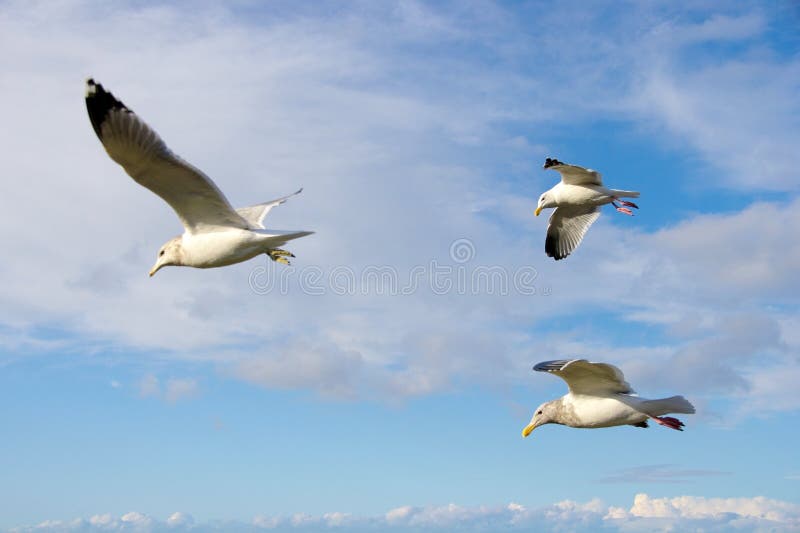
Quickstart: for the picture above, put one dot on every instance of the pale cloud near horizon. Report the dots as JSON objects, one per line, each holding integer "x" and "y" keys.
{"x": 385, "y": 144}
{"x": 647, "y": 513}
{"x": 659, "y": 474}
{"x": 172, "y": 390}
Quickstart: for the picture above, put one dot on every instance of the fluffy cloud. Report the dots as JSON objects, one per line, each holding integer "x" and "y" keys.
{"x": 684, "y": 513}
{"x": 392, "y": 146}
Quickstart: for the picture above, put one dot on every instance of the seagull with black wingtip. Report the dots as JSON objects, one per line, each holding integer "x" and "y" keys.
{"x": 599, "y": 397}
{"x": 215, "y": 234}
{"x": 577, "y": 199}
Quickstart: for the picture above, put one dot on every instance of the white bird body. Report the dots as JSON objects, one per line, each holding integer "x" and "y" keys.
{"x": 600, "y": 397}
{"x": 211, "y": 249}
{"x": 618, "y": 409}
{"x": 597, "y": 412}
{"x": 577, "y": 199}
{"x": 564, "y": 194}
{"x": 215, "y": 234}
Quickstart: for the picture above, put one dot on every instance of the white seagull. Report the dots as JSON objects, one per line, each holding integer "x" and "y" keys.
{"x": 215, "y": 234}
{"x": 577, "y": 199}
{"x": 600, "y": 397}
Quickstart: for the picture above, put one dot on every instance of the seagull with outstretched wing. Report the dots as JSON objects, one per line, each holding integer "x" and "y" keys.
{"x": 577, "y": 199}
{"x": 215, "y": 234}
{"x": 600, "y": 397}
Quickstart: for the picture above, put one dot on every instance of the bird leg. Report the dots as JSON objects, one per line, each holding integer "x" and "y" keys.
{"x": 627, "y": 203}
{"x": 669, "y": 422}
{"x": 278, "y": 251}
{"x": 625, "y": 209}
{"x": 279, "y": 256}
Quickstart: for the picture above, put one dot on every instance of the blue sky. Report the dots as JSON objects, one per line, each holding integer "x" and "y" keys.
{"x": 258, "y": 397}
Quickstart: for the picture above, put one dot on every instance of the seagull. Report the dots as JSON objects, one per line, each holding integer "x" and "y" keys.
{"x": 600, "y": 397}
{"x": 215, "y": 234}
{"x": 577, "y": 199}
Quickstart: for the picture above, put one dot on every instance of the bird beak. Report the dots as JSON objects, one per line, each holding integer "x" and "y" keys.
{"x": 155, "y": 269}
{"x": 527, "y": 431}
{"x": 538, "y": 210}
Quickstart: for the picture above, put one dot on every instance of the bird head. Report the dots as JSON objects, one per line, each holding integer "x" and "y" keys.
{"x": 543, "y": 415}
{"x": 171, "y": 254}
{"x": 544, "y": 201}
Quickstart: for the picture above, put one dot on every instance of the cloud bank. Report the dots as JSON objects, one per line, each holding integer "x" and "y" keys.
{"x": 399, "y": 137}
{"x": 683, "y": 513}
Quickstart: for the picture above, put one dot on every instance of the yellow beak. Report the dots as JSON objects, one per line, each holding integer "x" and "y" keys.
{"x": 155, "y": 269}
{"x": 527, "y": 430}
{"x": 538, "y": 210}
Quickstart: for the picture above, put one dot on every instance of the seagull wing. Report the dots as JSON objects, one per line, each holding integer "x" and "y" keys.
{"x": 566, "y": 229}
{"x": 133, "y": 144}
{"x": 254, "y": 214}
{"x": 585, "y": 377}
{"x": 575, "y": 175}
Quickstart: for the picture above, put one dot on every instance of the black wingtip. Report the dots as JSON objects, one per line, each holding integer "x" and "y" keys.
{"x": 551, "y": 248}
{"x": 99, "y": 103}
{"x": 551, "y": 162}
{"x": 551, "y": 366}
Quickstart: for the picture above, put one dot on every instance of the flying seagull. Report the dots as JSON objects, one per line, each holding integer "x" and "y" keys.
{"x": 215, "y": 234}
{"x": 600, "y": 397}
{"x": 577, "y": 199}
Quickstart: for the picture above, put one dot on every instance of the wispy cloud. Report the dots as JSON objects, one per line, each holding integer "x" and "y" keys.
{"x": 660, "y": 474}
{"x": 173, "y": 390}
{"x": 389, "y": 125}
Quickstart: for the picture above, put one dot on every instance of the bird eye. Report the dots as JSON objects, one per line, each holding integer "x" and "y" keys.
{"x": 540, "y": 412}
{"x": 160, "y": 253}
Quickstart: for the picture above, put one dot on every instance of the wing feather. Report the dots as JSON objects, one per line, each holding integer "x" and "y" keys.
{"x": 585, "y": 377}
{"x": 129, "y": 141}
{"x": 566, "y": 229}
{"x": 575, "y": 175}
{"x": 254, "y": 214}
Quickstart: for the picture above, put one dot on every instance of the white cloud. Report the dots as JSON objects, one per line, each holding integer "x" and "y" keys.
{"x": 180, "y": 388}
{"x": 175, "y": 389}
{"x": 179, "y": 519}
{"x": 391, "y": 144}
{"x": 149, "y": 386}
{"x": 698, "y": 507}
{"x": 659, "y": 474}
{"x": 682, "y": 513}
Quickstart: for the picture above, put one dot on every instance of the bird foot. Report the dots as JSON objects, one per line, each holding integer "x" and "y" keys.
{"x": 278, "y": 251}
{"x": 627, "y": 203}
{"x": 668, "y": 421}
{"x": 280, "y": 256}
{"x": 624, "y": 210}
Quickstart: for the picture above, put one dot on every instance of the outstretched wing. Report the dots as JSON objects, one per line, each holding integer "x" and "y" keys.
{"x": 575, "y": 175}
{"x": 584, "y": 377}
{"x": 133, "y": 144}
{"x": 566, "y": 229}
{"x": 254, "y": 214}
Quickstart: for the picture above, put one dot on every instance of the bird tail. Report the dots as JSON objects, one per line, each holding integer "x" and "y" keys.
{"x": 625, "y": 194}
{"x": 673, "y": 404}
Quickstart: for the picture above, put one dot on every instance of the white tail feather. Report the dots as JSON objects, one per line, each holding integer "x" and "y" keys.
{"x": 625, "y": 194}
{"x": 674, "y": 404}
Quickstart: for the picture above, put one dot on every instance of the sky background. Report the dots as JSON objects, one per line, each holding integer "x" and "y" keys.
{"x": 381, "y": 382}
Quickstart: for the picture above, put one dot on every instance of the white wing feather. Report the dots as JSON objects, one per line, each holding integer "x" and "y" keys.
{"x": 130, "y": 142}
{"x": 585, "y": 377}
{"x": 566, "y": 229}
{"x": 575, "y": 175}
{"x": 254, "y": 214}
